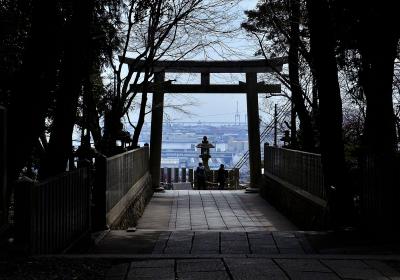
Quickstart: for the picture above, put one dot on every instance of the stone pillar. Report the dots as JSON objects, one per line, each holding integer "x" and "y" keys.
{"x": 176, "y": 175}
{"x": 183, "y": 175}
{"x": 3, "y": 168}
{"x": 156, "y": 129}
{"x": 169, "y": 175}
{"x": 191, "y": 176}
{"x": 162, "y": 175}
{"x": 253, "y": 124}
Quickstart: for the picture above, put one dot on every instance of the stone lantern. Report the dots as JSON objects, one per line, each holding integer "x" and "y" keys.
{"x": 204, "y": 147}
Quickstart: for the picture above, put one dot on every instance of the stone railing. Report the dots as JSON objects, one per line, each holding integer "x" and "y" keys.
{"x": 301, "y": 169}
{"x": 295, "y": 186}
{"x": 182, "y": 175}
{"x": 122, "y": 182}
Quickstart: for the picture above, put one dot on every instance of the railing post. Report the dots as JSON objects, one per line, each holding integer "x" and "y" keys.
{"x": 183, "y": 175}
{"x": 191, "y": 176}
{"x": 237, "y": 175}
{"x": 176, "y": 175}
{"x": 169, "y": 175}
{"x": 99, "y": 194}
{"x": 162, "y": 175}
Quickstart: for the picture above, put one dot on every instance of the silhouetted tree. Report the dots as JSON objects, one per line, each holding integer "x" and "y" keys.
{"x": 156, "y": 30}
{"x": 325, "y": 68}
{"x": 33, "y": 84}
{"x": 357, "y": 20}
{"x": 75, "y": 62}
{"x": 38, "y": 65}
{"x": 276, "y": 25}
{"x": 297, "y": 91}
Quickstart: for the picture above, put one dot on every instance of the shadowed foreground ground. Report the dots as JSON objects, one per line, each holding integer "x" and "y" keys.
{"x": 217, "y": 235}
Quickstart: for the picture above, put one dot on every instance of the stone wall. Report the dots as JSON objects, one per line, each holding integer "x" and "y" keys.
{"x": 135, "y": 205}
{"x": 305, "y": 210}
{"x": 124, "y": 185}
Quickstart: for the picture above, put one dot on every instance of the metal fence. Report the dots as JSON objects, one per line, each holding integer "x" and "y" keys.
{"x": 301, "y": 169}
{"x": 53, "y": 214}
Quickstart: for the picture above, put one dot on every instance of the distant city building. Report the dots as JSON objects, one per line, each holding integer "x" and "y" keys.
{"x": 180, "y": 139}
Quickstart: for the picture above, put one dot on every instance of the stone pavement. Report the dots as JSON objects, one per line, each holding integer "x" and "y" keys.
{"x": 211, "y": 210}
{"x": 243, "y": 268}
{"x": 211, "y": 222}
{"x": 232, "y": 235}
{"x": 203, "y": 242}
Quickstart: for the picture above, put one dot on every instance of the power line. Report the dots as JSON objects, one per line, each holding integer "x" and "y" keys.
{"x": 264, "y": 134}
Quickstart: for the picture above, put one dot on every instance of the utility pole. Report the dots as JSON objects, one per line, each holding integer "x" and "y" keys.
{"x": 275, "y": 127}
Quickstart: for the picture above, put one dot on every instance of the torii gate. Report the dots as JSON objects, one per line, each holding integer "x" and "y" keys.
{"x": 251, "y": 88}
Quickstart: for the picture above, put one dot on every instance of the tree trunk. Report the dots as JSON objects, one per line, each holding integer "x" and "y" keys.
{"x": 307, "y": 139}
{"x": 93, "y": 117}
{"x": 74, "y": 65}
{"x": 85, "y": 127}
{"x": 330, "y": 103}
{"x": 142, "y": 114}
{"x": 112, "y": 129}
{"x": 30, "y": 98}
{"x": 376, "y": 78}
{"x": 315, "y": 113}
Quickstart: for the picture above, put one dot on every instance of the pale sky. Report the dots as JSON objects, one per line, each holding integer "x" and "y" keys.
{"x": 216, "y": 107}
{"x": 220, "y": 107}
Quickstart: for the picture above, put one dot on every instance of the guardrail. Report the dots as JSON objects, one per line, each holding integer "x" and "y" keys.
{"x": 51, "y": 215}
{"x": 301, "y": 169}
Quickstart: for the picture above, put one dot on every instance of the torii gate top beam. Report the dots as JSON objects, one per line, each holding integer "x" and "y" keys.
{"x": 198, "y": 66}
{"x": 207, "y": 88}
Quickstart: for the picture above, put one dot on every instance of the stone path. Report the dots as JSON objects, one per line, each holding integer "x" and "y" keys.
{"x": 229, "y": 235}
{"x": 204, "y": 242}
{"x": 207, "y": 222}
{"x": 242, "y": 268}
{"x": 201, "y": 242}
{"x": 211, "y": 210}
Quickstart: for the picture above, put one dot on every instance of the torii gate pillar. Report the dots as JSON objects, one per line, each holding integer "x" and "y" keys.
{"x": 157, "y": 114}
{"x": 253, "y": 124}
